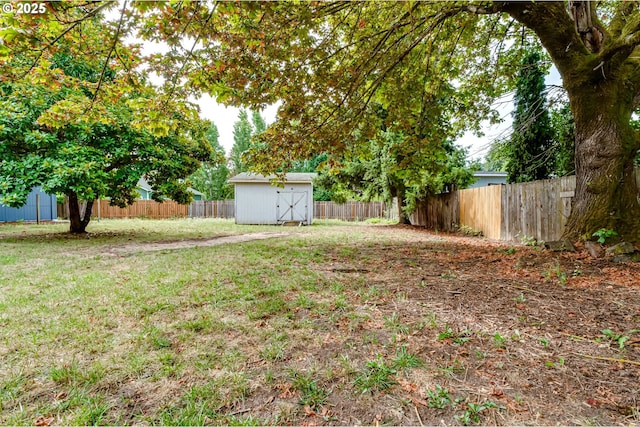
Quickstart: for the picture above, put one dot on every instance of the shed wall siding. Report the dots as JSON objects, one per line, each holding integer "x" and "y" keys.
{"x": 256, "y": 203}
{"x": 48, "y": 208}
{"x": 484, "y": 181}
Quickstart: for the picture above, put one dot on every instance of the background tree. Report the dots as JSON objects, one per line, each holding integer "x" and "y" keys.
{"x": 384, "y": 171}
{"x": 243, "y": 132}
{"x": 497, "y": 156}
{"x": 322, "y": 192}
{"x": 529, "y": 154}
{"x": 211, "y": 178}
{"x": 562, "y": 150}
{"x": 259, "y": 125}
{"x": 564, "y": 139}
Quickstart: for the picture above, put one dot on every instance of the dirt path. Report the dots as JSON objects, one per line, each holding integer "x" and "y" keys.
{"x": 193, "y": 243}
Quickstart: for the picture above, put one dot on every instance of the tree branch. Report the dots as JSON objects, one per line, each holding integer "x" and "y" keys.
{"x": 482, "y": 9}
{"x": 61, "y": 35}
{"x": 106, "y": 62}
{"x": 177, "y": 75}
{"x": 555, "y": 29}
{"x": 625, "y": 8}
{"x": 87, "y": 15}
{"x": 622, "y": 46}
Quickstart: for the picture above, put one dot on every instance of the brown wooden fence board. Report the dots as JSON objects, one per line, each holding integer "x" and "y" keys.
{"x": 350, "y": 211}
{"x": 480, "y": 208}
{"x": 536, "y": 209}
{"x": 142, "y": 209}
{"x": 212, "y": 209}
{"x": 441, "y": 212}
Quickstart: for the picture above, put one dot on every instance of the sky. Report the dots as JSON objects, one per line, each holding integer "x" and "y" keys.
{"x": 225, "y": 117}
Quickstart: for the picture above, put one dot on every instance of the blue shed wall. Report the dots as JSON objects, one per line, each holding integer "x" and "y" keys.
{"x": 48, "y": 208}
{"x": 483, "y": 181}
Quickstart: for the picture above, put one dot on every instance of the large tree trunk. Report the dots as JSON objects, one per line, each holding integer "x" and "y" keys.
{"x": 606, "y": 193}
{"x": 78, "y": 223}
{"x": 601, "y": 77}
{"x": 403, "y": 218}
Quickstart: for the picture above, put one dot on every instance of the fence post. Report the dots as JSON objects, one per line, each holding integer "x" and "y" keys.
{"x": 37, "y": 208}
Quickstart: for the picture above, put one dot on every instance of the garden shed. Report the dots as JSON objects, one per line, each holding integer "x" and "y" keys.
{"x": 40, "y": 206}
{"x": 260, "y": 199}
{"x": 486, "y": 178}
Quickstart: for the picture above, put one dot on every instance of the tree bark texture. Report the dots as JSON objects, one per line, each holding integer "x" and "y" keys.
{"x": 403, "y": 218}
{"x": 606, "y": 194}
{"x": 78, "y": 222}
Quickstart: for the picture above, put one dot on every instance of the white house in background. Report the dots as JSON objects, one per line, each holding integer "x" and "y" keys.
{"x": 260, "y": 200}
{"x": 485, "y": 178}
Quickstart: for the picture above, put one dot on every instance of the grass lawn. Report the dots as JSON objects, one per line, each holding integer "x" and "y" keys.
{"x": 331, "y": 324}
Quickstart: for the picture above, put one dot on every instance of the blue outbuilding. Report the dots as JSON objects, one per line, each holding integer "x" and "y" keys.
{"x": 29, "y": 212}
{"x": 485, "y": 178}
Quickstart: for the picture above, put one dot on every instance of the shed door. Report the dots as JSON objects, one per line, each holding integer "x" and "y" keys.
{"x": 292, "y": 206}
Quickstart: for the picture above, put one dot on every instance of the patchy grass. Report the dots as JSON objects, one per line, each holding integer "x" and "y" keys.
{"x": 331, "y": 324}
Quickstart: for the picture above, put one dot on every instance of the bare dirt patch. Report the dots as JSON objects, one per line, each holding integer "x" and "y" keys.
{"x": 515, "y": 335}
{"x": 194, "y": 243}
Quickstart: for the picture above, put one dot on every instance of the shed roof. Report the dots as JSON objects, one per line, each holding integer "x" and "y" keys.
{"x": 291, "y": 178}
{"x": 490, "y": 173}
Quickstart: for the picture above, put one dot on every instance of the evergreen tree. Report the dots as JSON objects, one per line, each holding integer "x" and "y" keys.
{"x": 529, "y": 150}
{"x": 259, "y": 125}
{"x": 564, "y": 138}
{"x": 563, "y": 149}
{"x": 243, "y": 131}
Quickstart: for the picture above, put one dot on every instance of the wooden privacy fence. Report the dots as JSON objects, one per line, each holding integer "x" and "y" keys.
{"x": 141, "y": 209}
{"x": 349, "y": 211}
{"x": 536, "y": 209}
{"x": 480, "y": 209}
{"x": 441, "y": 212}
{"x": 212, "y": 209}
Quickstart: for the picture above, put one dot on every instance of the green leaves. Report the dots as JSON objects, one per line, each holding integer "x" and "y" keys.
{"x": 56, "y": 133}
{"x": 7, "y": 35}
